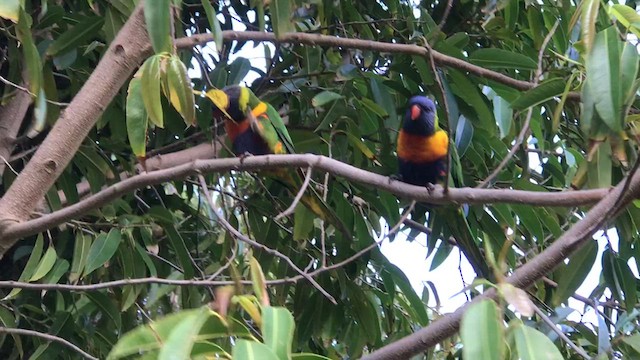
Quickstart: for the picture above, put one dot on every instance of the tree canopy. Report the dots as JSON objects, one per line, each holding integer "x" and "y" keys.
{"x": 129, "y": 230}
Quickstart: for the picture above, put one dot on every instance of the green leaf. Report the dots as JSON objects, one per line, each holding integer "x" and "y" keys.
{"x": 302, "y": 222}
{"x": 628, "y": 72}
{"x": 8, "y": 320}
{"x": 150, "y": 83}
{"x": 281, "y": 17}
{"x": 180, "y": 91}
{"x": 147, "y": 338}
{"x": 252, "y": 350}
{"x": 277, "y": 330}
{"x": 214, "y": 24}
{"x": 633, "y": 341}
{"x": 603, "y": 72}
{"x": 534, "y": 345}
{"x": 482, "y": 332}
{"x": 571, "y": 276}
{"x": 45, "y": 265}
{"x": 492, "y": 58}
{"x": 599, "y": 167}
{"x": 588, "y": 22}
{"x": 78, "y": 35}
{"x": 10, "y": 9}
{"x": 541, "y": 93}
{"x": 258, "y": 281}
{"x": 503, "y": 113}
{"x": 30, "y": 52}
{"x": 137, "y": 119}
{"x": 157, "y": 15}
{"x": 179, "y": 343}
{"x": 30, "y": 267}
{"x": 81, "y": 248}
{"x": 626, "y": 15}
{"x": 102, "y": 249}
{"x": 107, "y": 306}
{"x": 238, "y": 70}
{"x": 325, "y": 97}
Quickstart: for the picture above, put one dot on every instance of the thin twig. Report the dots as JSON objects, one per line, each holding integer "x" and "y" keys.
{"x": 445, "y": 14}
{"x": 299, "y": 195}
{"x": 350, "y": 43}
{"x": 525, "y": 127}
{"x": 561, "y": 334}
{"x": 48, "y": 337}
{"x": 237, "y": 234}
{"x": 22, "y": 88}
{"x": 445, "y": 104}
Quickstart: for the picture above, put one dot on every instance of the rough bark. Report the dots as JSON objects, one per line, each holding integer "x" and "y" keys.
{"x": 123, "y": 56}
{"x": 11, "y": 117}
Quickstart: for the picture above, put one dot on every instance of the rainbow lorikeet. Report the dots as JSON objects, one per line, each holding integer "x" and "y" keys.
{"x": 422, "y": 149}
{"x": 255, "y": 127}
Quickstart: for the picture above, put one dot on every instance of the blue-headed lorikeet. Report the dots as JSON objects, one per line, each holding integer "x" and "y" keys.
{"x": 255, "y": 127}
{"x": 422, "y": 149}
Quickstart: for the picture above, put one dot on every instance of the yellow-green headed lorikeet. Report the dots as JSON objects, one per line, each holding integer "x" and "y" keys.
{"x": 422, "y": 149}
{"x": 255, "y": 127}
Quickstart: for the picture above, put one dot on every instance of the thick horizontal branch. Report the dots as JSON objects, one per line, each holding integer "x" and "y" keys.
{"x": 384, "y": 47}
{"x": 535, "y": 269}
{"x": 435, "y": 195}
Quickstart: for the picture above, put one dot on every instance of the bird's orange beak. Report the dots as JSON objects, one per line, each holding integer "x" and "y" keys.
{"x": 415, "y": 112}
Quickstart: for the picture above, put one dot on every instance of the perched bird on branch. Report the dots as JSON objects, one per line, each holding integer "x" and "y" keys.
{"x": 254, "y": 127}
{"x": 422, "y": 149}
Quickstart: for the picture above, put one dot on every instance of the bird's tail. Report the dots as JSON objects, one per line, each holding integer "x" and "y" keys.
{"x": 461, "y": 232}
{"x": 314, "y": 202}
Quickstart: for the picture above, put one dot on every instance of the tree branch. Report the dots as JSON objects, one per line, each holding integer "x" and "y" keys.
{"x": 322, "y": 163}
{"x": 122, "y": 57}
{"x": 48, "y": 337}
{"x": 11, "y": 116}
{"x": 572, "y": 240}
{"x": 325, "y": 40}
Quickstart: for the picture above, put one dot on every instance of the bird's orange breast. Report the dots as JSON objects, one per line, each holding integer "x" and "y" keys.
{"x": 234, "y": 129}
{"x": 422, "y": 149}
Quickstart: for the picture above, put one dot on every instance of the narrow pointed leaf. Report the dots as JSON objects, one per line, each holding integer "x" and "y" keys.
{"x": 325, "y": 97}
{"x": 150, "y": 83}
{"x": 102, "y": 250}
{"x": 534, "y": 345}
{"x": 157, "y": 15}
{"x": 30, "y": 267}
{"x": 45, "y": 265}
{"x": 482, "y": 332}
{"x": 627, "y": 16}
{"x": 588, "y": 22}
{"x": 603, "y": 72}
{"x": 277, "y": 330}
{"x": 541, "y": 93}
{"x": 180, "y": 91}
{"x": 78, "y": 35}
{"x": 81, "y": 248}
{"x": 137, "y": 119}
{"x": 281, "y": 17}
{"x": 492, "y": 58}
{"x": 214, "y": 23}
{"x": 252, "y": 350}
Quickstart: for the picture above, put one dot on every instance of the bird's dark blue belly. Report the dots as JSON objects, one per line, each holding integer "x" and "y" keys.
{"x": 250, "y": 142}
{"x": 422, "y": 174}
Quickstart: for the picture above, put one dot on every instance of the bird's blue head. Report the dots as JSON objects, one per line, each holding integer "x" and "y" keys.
{"x": 420, "y": 117}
